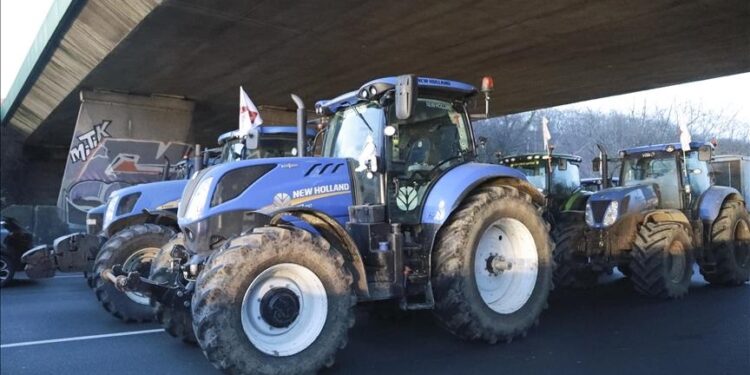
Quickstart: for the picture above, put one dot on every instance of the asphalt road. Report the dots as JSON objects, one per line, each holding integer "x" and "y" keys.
{"x": 607, "y": 330}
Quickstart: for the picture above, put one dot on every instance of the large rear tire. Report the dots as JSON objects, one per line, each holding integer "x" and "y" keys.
{"x": 492, "y": 266}
{"x": 571, "y": 271}
{"x": 177, "y": 322}
{"x": 730, "y": 243}
{"x": 133, "y": 248}
{"x": 276, "y": 301}
{"x": 662, "y": 262}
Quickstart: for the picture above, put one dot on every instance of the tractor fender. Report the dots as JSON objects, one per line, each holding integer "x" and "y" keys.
{"x": 334, "y": 233}
{"x": 455, "y": 185}
{"x": 160, "y": 217}
{"x": 712, "y": 199}
{"x": 451, "y": 189}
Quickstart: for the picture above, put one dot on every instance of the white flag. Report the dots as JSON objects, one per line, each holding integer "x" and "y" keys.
{"x": 684, "y": 134}
{"x": 545, "y": 132}
{"x": 249, "y": 115}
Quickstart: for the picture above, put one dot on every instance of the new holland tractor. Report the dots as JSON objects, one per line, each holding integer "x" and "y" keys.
{"x": 138, "y": 220}
{"x": 664, "y": 217}
{"x": 277, "y": 252}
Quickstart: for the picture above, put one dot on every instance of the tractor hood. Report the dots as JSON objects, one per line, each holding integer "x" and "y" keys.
{"x": 605, "y": 207}
{"x": 133, "y": 200}
{"x": 266, "y": 185}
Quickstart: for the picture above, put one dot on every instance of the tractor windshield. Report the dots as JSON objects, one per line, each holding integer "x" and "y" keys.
{"x": 269, "y": 146}
{"x": 535, "y": 171}
{"x": 352, "y": 128}
{"x": 657, "y": 168}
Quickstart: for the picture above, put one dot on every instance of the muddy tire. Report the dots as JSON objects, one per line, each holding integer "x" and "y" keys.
{"x": 662, "y": 263}
{"x": 470, "y": 300}
{"x": 570, "y": 270}
{"x": 177, "y": 322}
{"x": 730, "y": 244}
{"x": 275, "y": 301}
{"x": 133, "y": 248}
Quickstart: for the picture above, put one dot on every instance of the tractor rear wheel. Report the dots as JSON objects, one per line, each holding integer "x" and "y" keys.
{"x": 276, "y": 301}
{"x": 730, "y": 244}
{"x": 177, "y": 322}
{"x": 662, "y": 262}
{"x": 133, "y": 248}
{"x": 571, "y": 270}
{"x": 492, "y": 266}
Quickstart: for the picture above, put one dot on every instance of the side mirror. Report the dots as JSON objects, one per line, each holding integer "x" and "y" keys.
{"x": 704, "y": 153}
{"x": 251, "y": 139}
{"x": 562, "y": 165}
{"x": 596, "y": 164}
{"x": 406, "y": 96}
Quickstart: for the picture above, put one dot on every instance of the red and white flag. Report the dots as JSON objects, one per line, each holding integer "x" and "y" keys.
{"x": 685, "y": 137}
{"x": 249, "y": 115}
{"x": 545, "y": 132}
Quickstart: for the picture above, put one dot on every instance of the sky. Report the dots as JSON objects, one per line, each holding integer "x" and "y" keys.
{"x": 20, "y": 20}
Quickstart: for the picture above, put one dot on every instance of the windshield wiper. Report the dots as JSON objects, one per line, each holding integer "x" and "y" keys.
{"x": 364, "y": 120}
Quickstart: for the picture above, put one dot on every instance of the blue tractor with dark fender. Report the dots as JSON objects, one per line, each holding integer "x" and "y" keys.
{"x": 665, "y": 216}
{"x": 138, "y": 220}
{"x": 277, "y": 252}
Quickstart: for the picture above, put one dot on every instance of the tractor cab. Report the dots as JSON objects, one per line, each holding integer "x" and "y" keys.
{"x": 397, "y": 156}
{"x": 557, "y": 176}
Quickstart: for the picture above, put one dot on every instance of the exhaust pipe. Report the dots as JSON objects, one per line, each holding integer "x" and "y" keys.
{"x": 301, "y": 123}
{"x": 197, "y": 159}
{"x": 605, "y": 165}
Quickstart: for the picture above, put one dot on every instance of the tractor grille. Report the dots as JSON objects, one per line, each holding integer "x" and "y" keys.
{"x": 598, "y": 208}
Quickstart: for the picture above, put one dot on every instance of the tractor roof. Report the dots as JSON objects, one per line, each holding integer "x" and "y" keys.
{"x": 435, "y": 86}
{"x": 662, "y": 147}
{"x": 539, "y": 156}
{"x": 267, "y": 130}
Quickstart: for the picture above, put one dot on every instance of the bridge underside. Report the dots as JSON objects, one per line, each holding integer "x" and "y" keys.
{"x": 540, "y": 53}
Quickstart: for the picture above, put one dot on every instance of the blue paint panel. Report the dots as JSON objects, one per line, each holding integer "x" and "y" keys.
{"x": 447, "y": 194}
{"x": 316, "y": 182}
{"x": 152, "y": 196}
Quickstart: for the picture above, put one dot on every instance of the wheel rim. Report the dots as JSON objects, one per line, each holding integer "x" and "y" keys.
{"x": 4, "y": 269}
{"x": 140, "y": 261}
{"x": 742, "y": 243}
{"x": 676, "y": 262}
{"x": 506, "y": 264}
{"x": 284, "y": 309}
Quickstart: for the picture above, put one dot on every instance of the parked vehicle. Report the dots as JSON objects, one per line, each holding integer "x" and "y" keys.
{"x": 733, "y": 171}
{"x": 14, "y": 241}
{"x": 395, "y": 209}
{"x": 557, "y": 176}
{"x": 664, "y": 217}
{"x": 137, "y": 221}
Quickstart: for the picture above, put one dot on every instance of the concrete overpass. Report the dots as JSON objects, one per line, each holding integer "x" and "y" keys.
{"x": 541, "y": 53}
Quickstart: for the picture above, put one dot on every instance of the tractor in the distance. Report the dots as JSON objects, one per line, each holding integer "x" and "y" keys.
{"x": 277, "y": 252}
{"x": 557, "y": 176}
{"x": 664, "y": 217}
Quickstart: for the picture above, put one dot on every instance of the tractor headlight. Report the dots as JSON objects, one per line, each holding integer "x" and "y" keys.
{"x": 109, "y": 214}
{"x": 610, "y": 215}
{"x": 199, "y": 200}
{"x": 589, "y": 215}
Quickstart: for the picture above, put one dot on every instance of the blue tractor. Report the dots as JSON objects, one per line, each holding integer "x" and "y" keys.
{"x": 665, "y": 216}
{"x": 138, "y": 220}
{"x": 277, "y": 252}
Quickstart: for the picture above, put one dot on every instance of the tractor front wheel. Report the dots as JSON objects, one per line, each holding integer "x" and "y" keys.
{"x": 276, "y": 301}
{"x": 730, "y": 244}
{"x": 573, "y": 270}
{"x": 177, "y": 322}
{"x": 133, "y": 248}
{"x": 492, "y": 266}
{"x": 662, "y": 262}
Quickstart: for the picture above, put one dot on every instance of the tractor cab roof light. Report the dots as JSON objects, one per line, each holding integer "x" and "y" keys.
{"x": 488, "y": 84}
